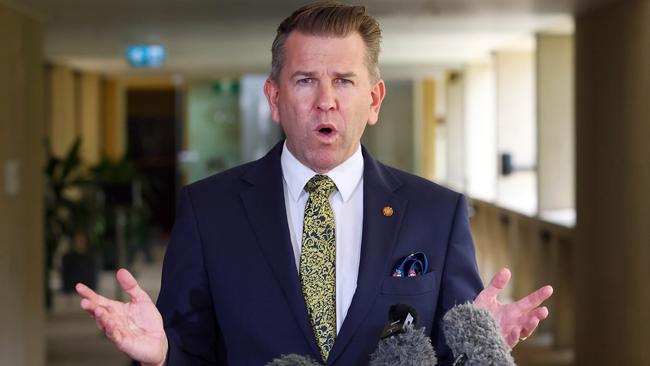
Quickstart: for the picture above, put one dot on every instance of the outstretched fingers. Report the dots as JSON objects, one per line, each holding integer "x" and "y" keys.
{"x": 90, "y": 300}
{"x": 86, "y": 293}
{"x": 134, "y": 327}
{"x": 100, "y": 315}
{"x": 106, "y": 312}
{"x": 109, "y": 323}
{"x": 535, "y": 299}
{"x": 540, "y": 313}
{"x": 512, "y": 338}
{"x": 89, "y": 306}
{"x": 527, "y": 325}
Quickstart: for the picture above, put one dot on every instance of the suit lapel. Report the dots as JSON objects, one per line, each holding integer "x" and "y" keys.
{"x": 378, "y": 239}
{"x": 265, "y": 207}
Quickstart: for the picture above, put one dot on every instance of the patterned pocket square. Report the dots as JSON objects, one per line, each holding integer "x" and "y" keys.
{"x": 412, "y": 265}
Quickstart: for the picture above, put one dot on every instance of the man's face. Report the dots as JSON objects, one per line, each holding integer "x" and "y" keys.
{"x": 324, "y": 98}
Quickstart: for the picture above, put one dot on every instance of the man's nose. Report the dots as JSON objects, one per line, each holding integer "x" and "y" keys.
{"x": 326, "y": 99}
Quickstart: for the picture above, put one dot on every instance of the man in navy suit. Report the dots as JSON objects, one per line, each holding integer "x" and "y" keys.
{"x": 233, "y": 290}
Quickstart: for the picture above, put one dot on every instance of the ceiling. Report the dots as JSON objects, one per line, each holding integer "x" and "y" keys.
{"x": 212, "y": 37}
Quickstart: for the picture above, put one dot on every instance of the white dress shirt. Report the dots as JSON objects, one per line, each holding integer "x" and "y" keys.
{"x": 347, "y": 205}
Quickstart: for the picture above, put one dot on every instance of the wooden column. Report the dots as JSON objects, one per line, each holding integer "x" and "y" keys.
{"x": 88, "y": 104}
{"x": 555, "y": 122}
{"x": 62, "y": 109}
{"x": 22, "y": 130}
{"x": 114, "y": 119}
{"x": 613, "y": 184}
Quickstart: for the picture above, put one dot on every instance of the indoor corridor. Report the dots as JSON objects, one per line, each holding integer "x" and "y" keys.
{"x": 537, "y": 111}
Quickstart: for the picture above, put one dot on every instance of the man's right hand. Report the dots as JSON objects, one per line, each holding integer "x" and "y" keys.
{"x": 135, "y": 327}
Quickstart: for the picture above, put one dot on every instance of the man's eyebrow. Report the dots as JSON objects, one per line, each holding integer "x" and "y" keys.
{"x": 345, "y": 75}
{"x": 308, "y": 74}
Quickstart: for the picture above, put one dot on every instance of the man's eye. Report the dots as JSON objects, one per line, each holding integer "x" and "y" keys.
{"x": 342, "y": 81}
{"x": 305, "y": 81}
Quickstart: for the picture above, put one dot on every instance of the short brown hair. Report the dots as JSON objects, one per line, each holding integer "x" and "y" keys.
{"x": 329, "y": 18}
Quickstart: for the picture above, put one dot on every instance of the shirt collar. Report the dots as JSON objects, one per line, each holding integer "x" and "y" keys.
{"x": 346, "y": 175}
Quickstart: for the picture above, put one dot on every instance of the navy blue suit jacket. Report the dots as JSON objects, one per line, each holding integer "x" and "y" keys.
{"x": 230, "y": 290}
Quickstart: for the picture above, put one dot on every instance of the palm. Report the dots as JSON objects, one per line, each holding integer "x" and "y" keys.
{"x": 135, "y": 327}
{"x": 516, "y": 320}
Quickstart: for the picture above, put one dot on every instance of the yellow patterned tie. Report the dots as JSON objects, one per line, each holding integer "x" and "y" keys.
{"x": 318, "y": 262}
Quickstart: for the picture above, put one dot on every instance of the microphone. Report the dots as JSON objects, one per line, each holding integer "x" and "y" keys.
{"x": 474, "y": 337}
{"x": 401, "y": 343}
{"x": 293, "y": 360}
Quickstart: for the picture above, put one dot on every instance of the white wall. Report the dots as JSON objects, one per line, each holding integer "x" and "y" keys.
{"x": 516, "y": 126}
{"x": 480, "y": 132}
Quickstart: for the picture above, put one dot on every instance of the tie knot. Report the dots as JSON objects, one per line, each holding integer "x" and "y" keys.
{"x": 321, "y": 185}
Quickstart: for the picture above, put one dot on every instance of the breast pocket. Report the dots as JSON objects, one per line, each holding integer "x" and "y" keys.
{"x": 409, "y": 286}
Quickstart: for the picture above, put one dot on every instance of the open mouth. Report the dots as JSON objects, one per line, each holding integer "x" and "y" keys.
{"x": 326, "y": 129}
{"x": 326, "y": 132}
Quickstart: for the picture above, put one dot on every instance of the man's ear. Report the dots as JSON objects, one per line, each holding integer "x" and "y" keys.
{"x": 377, "y": 93}
{"x": 272, "y": 92}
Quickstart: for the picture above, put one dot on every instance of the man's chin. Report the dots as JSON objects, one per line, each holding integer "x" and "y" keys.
{"x": 324, "y": 162}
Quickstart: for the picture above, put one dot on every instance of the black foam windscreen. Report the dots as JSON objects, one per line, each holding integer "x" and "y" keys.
{"x": 399, "y": 312}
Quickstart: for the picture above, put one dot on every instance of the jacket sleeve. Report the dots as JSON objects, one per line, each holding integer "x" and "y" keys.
{"x": 460, "y": 281}
{"x": 185, "y": 300}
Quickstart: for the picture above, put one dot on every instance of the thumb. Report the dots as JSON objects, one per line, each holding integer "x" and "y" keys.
{"x": 497, "y": 284}
{"x": 130, "y": 285}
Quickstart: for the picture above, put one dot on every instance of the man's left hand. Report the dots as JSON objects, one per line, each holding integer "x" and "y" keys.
{"x": 519, "y": 319}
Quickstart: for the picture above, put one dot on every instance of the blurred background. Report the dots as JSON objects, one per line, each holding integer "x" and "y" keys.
{"x": 537, "y": 110}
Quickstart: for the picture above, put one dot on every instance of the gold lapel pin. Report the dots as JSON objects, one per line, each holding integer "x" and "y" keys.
{"x": 387, "y": 211}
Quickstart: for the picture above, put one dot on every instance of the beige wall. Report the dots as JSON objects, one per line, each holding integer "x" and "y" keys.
{"x": 89, "y": 114}
{"x": 77, "y": 108}
{"x": 613, "y": 184}
{"x": 555, "y": 122}
{"x": 427, "y": 132}
{"x": 62, "y": 109}
{"x": 22, "y": 130}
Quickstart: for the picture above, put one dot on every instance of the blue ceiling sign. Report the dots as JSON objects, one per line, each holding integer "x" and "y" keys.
{"x": 151, "y": 56}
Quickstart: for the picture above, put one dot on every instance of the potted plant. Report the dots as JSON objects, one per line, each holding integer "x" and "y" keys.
{"x": 67, "y": 215}
{"x": 92, "y": 209}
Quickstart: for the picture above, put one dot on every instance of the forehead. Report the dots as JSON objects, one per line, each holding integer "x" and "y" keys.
{"x": 306, "y": 52}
